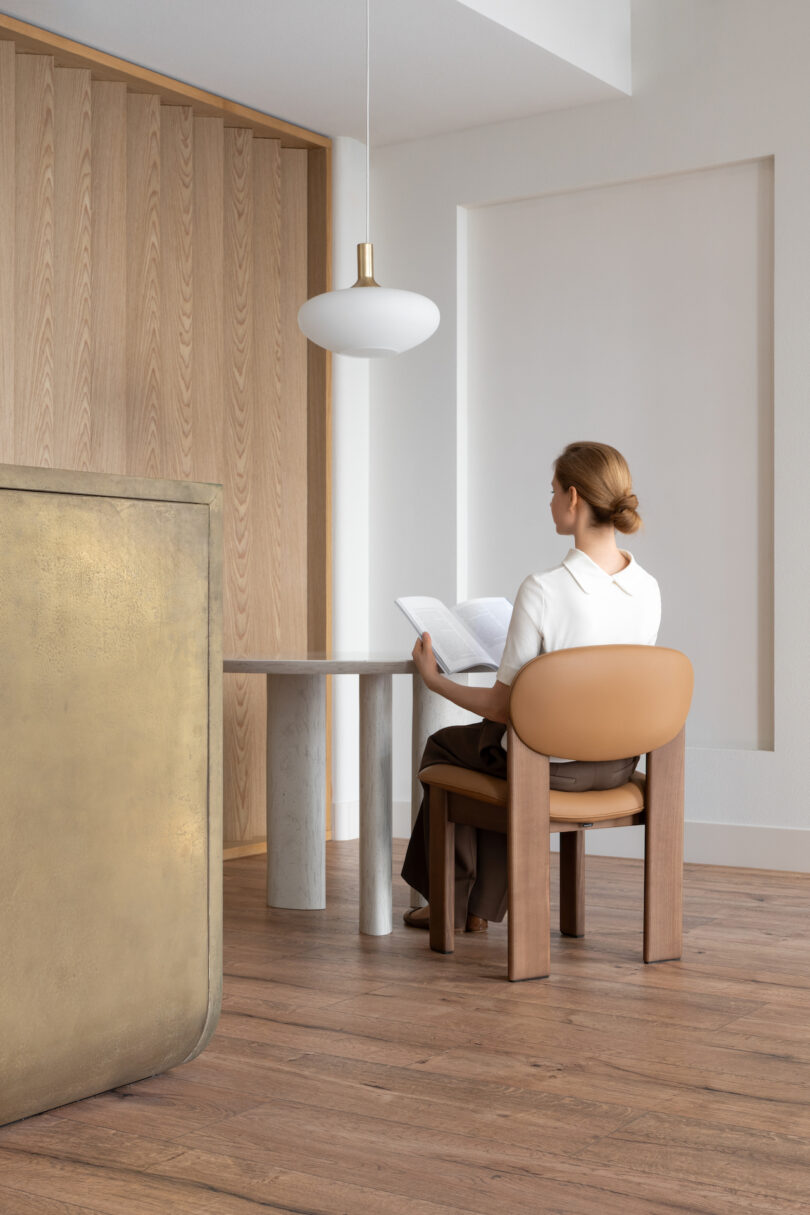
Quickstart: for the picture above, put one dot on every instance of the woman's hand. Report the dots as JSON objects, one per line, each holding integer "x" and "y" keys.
{"x": 425, "y": 660}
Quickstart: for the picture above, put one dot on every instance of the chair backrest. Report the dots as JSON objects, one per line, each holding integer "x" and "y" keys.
{"x": 601, "y": 701}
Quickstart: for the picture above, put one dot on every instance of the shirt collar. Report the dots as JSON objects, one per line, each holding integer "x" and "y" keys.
{"x": 590, "y": 577}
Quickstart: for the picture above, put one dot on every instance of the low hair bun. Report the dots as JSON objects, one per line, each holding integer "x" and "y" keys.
{"x": 624, "y": 513}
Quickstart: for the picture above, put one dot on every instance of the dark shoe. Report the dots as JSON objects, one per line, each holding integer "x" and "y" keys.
{"x": 475, "y": 924}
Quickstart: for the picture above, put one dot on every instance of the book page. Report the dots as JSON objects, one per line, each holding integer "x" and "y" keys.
{"x": 488, "y": 621}
{"x": 455, "y": 647}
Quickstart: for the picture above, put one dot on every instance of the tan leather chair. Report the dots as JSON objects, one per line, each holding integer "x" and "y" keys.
{"x": 589, "y": 703}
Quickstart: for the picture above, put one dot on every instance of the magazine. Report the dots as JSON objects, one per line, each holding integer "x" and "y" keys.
{"x": 467, "y": 637}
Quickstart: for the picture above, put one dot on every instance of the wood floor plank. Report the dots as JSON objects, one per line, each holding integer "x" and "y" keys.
{"x": 67, "y": 1139}
{"x": 14, "y": 1202}
{"x": 162, "y": 1107}
{"x": 115, "y": 1190}
{"x": 768, "y": 1165}
{"x": 263, "y": 1184}
{"x": 468, "y": 1171}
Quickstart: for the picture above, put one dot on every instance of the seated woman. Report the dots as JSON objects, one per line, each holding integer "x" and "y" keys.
{"x": 599, "y": 595}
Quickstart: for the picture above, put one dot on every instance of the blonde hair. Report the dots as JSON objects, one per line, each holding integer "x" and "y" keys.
{"x": 600, "y": 475}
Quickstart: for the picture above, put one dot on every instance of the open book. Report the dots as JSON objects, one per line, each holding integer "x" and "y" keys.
{"x": 467, "y": 637}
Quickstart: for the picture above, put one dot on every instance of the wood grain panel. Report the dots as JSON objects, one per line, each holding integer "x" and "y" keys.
{"x": 33, "y": 40}
{"x": 143, "y": 286}
{"x": 144, "y": 328}
{"x": 72, "y": 269}
{"x": 108, "y": 423}
{"x": 7, "y": 251}
{"x": 272, "y": 506}
{"x": 176, "y": 199}
{"x": 294, "y": 209}
{"x": 319, "y": 413}
{"x": 33, "y": 369}
{"x": 207, "y": 363}
{"x": 244, "y": 791}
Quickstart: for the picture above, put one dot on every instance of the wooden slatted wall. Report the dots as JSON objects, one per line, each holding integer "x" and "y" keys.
{"x": 153, "y": 258}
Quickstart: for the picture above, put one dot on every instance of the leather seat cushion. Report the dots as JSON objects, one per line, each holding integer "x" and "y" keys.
{"x": 587, "y": 807}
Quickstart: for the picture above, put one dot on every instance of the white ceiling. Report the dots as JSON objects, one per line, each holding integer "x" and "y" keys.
{"x": 437, "y": 65}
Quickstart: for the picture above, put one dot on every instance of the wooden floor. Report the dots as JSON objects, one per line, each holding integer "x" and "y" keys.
{"x": 366, "y": 1076}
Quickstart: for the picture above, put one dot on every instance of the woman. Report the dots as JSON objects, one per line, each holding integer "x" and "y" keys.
{"x": 599, "y": 595}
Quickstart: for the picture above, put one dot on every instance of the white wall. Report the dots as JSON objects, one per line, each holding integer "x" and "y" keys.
{"x": 714, "y": 84}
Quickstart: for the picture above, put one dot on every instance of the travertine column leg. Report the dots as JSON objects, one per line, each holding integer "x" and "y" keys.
{"x": 430, "y": 713}
{"x": 375, "y": 804}
{"x": 296, "y": 791}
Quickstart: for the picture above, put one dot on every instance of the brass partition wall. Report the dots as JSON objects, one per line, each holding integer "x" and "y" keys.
{"x": 110, "y": 781}
{"x": 155, "y": 245}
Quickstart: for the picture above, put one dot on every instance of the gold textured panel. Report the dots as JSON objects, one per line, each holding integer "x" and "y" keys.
{"x": 109, "y": 284}
{"x": 8, "y": 302}
{"x": 71, "y": 323}
{"x": 33, "y": 363}
{"x": 110, "y": 649}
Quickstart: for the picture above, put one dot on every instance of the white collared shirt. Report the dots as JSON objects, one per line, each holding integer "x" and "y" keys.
{"x": 578, "y": 603}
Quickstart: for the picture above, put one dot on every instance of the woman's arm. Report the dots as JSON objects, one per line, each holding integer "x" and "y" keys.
{"x": 491, "y": 703}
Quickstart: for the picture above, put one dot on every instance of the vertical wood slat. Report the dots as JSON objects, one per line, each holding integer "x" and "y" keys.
{"x": 294, "y": 389}
{"x": 319, "y": 435}
{"x": 108, "y": 418}
{"x": 319, "y": 390}
{"x": 274, "y": 500}
{"x": 176, "y": 217}
{"x": 72, "y": 269}
{"x": 245, "y": 719}
{"x": 207, "y": 363}
{"x": 33, "y": 363}
{"x": 7, "y": 251}
{"x": 143, "y": 286}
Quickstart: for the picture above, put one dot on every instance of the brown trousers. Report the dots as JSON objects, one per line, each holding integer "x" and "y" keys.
{"x": 481, "y": 855}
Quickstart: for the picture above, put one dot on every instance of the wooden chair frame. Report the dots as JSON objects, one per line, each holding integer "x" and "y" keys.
{"x": 528, "y": 824}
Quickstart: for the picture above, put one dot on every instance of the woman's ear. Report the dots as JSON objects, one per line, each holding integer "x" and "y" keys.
{"x": 573, "y": 497}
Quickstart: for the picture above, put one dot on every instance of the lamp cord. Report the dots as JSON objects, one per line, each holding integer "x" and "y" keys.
{"x": 368, "y": 121}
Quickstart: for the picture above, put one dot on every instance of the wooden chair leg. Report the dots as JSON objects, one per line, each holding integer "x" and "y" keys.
{"x": 528, "y": 862}
{"x": 572, "y": 883}
{"x": 663, "y": 853}
{"x": 442, "y": 873}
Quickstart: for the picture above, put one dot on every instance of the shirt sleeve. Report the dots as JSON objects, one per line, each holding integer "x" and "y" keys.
{"x": 524, "y": 639}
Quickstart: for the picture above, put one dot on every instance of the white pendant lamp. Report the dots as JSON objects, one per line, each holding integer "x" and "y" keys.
{"x": 368, "y": 321}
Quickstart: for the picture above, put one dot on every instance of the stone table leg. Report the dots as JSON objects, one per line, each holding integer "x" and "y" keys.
{"x": 430, "y": 713}
{"x": 296, "y": 791}
{"x": 375, "y": 804}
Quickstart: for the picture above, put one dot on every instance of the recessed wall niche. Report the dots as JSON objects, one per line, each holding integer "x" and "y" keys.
{"x": 639, "y": 314}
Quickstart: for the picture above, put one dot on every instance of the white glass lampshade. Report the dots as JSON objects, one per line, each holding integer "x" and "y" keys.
{"x": 368, "y": 322}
